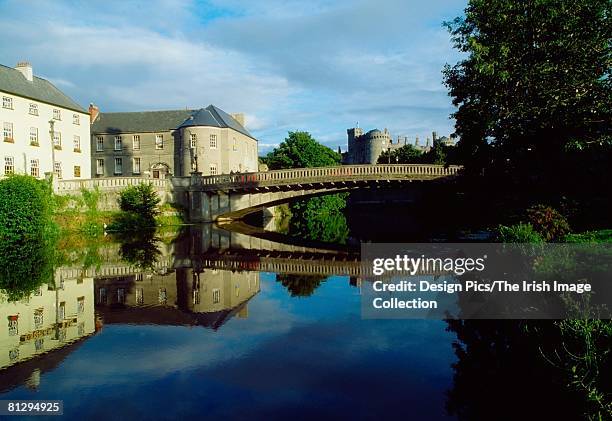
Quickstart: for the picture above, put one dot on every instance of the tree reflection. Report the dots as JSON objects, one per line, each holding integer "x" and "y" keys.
{"x": 139, "y": 248}
{"x": 300, "y": 285}
{"x": 320, "y": 218}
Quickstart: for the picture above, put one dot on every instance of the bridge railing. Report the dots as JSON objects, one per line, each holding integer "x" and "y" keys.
{"x": 331, "y": 173}
{"x": 110, "y": 183}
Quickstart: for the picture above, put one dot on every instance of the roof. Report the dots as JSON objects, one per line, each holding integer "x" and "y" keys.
{"x": 139, "y": 122}
{"x": 212, "y": 116}
{"x": 159, "y": 121}
{"x": 13, "y": 82}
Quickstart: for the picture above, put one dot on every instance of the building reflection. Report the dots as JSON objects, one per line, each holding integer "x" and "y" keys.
{"x": 204, "y": 297}
{"x": 51, "y": 319}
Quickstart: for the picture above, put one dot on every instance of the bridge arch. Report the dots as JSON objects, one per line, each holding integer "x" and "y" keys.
{"x": 216, "y": 197}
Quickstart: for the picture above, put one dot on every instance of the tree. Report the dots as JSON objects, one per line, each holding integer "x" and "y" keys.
{"x": 536, "y": 79}
{"x": 407, "y": 154}
{"x": 301, "y": 150}
{"x": 28, "y": 235}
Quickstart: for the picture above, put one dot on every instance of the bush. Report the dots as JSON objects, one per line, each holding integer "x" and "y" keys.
{"x": 549, "y": 223}
{"x": 518, "y": 233}
{"x": 27, "y": 235}
{"x": 141, "y": 199}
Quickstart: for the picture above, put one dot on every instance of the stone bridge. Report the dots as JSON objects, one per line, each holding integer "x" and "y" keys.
{"x": 232, "y": 196}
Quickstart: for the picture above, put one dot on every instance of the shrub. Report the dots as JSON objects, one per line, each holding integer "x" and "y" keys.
{"x": 141, "y": 199}
{"x": 518, "y": 233}
{"x": 548, "y": 222}
{"x": 27, "y": 235}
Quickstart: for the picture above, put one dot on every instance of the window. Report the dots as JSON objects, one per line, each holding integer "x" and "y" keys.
{"x": 77, "y": 171}
{"x": 136, "y": 166}
{"x": 213, "y": 169}
{"x": 193, "y": 141}
{"x": 38, "y": 318}
{"x": 8, "y": 132}
{"x": 9, "y": 165}
{"x": 81, "y": 305}
{"x": 81, "y": 329}
{"x": 213, "y": 141}
{"x": 57, "y": 140}
{"x": 99, "y": 166}
{"x": 13, "y": 325}
{"x": 14, "y": 354}
{"x": 57, "y": 169}
{"x": 7, "y": 102}
{"x": 118, "y": 165}
{"x": 118, "y": 143}
{"x": 235, "y": 147}
{"x": 99, "y": 143}
{"x": 33, "y": 136}
{"x": 102, "y": 296}
{"x": 139, "y": 296}
{"x": 159, "y": 141}
{"x": 39, "y": 344}
{"x": 216, "y": 296}
{"x": 33, "y": 108}
{"x": 77, "y": 143}
{"x": 136, "y": 142}
{"x": 57, "y": 114}
{"x": 121, "y": 295}
{"x": 76, "y": 119}
{"x": 34, "y": 168}
{"x": 62, "y": 310}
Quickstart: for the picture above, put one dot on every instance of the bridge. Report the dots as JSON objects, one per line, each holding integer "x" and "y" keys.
{"x": 232, "y": 196}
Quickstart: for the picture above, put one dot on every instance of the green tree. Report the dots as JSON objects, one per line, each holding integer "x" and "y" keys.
{"x": 301, "y": 150}
{"x": 27, "y": 235}
{"x": 407, "y": 154}
{"x": 139, "y": 205}
{"x": 535, "y": 81}
{"x": 320, "y": 218}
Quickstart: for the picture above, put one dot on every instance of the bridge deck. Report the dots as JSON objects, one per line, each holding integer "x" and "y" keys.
{"x": 323, "y": 175}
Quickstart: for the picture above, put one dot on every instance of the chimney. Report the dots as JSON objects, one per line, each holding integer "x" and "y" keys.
{"x": 239, "y": 117}
{"x": 94, "y": 111}
{"x": 25, "y": 69}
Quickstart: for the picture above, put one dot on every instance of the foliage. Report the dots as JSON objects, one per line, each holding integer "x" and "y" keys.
{"x": 301, "y": 150}
{"x": 407, "y": 154}
{"x": 601, "y": 236}
{"x": 550, "y": 224}
{"x": 139, "y": 206}
{"x": 586, "y": 358}
{"x": 518, "y": 233}
{"x": 535, "y": 81}
{"x": 140, "y": 199}
{"x": 139, "y": 248}
{"x": 27, "y": 235}
{"x": 300, "y": 285}
{"x": 320, "y": 218}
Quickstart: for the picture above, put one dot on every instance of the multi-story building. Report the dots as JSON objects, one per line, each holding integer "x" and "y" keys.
{"x": 43, "y": 130}
{"x": 157, "y": 144}
{"x": 48, "y": 320}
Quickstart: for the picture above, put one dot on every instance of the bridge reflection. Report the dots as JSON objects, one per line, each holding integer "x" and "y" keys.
{"x": 204, "y": 278}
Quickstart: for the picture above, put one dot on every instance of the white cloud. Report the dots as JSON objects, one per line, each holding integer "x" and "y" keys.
{"x": 288, "y": 65}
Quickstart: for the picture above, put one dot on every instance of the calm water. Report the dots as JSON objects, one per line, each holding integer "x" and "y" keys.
{"x": 223, "y": 325}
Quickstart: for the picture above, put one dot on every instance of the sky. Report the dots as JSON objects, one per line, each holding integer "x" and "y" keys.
{"x": 322, "y": 66}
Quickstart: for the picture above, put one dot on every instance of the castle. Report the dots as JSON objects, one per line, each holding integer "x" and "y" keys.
{"x": 367, "y": 148}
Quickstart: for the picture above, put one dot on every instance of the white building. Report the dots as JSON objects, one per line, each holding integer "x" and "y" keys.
{"x": 43, "y": 130}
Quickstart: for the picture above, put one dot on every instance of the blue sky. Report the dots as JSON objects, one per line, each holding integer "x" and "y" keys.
{"x": 319, "y": 66}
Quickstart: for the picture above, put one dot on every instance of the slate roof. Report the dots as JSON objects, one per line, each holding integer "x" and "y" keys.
{"x": 214, "y": 117}
{"x": 139, "y": 122}
{"x": 158, "y": 121}
{"x": 13, "y": 82}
